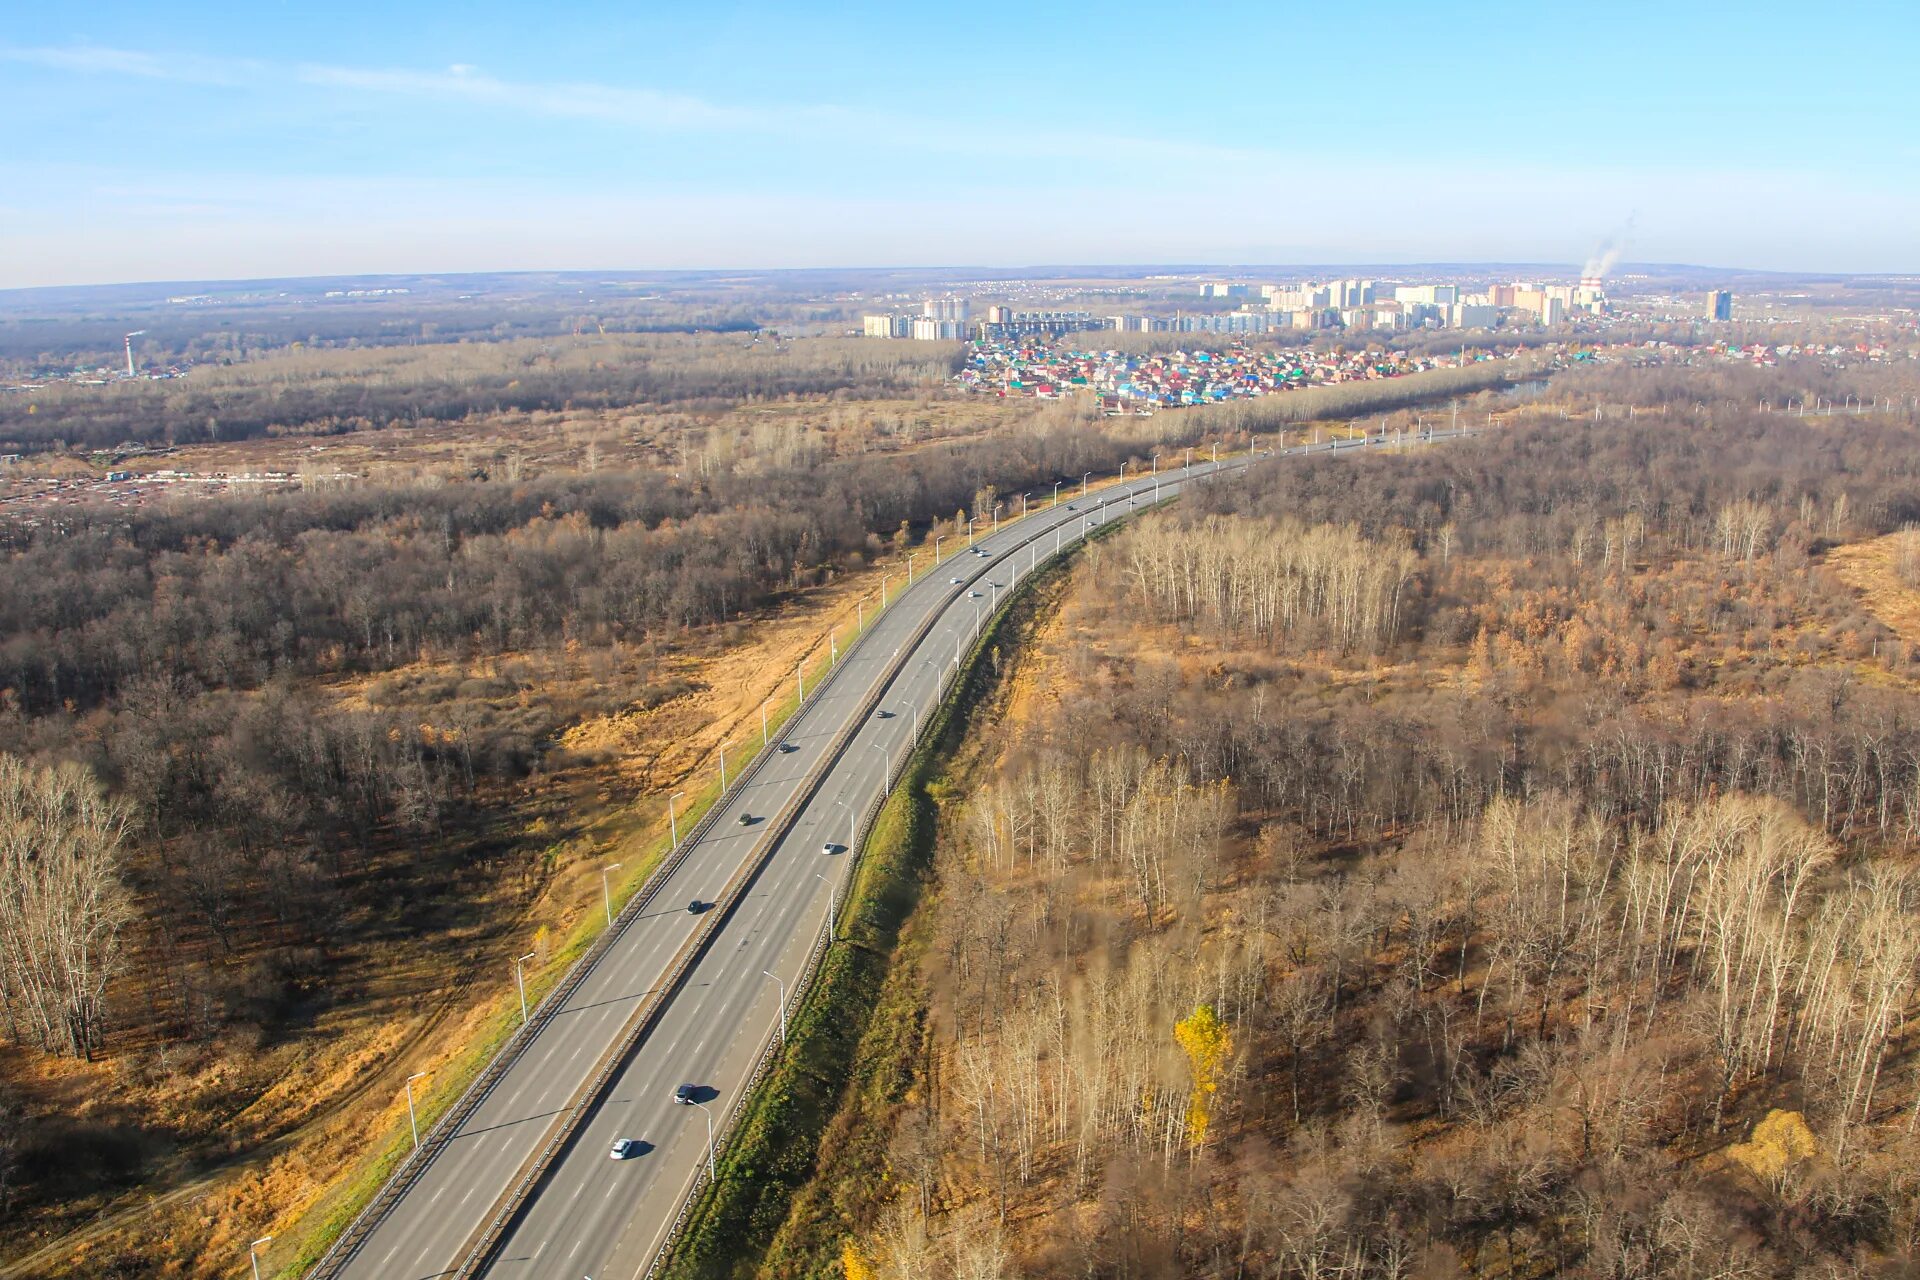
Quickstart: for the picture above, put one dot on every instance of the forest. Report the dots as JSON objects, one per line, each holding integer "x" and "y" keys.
{"x": 1488, "y": 860}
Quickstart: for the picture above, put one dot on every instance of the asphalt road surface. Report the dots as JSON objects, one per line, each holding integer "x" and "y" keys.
{"x": 603, "y": 1218}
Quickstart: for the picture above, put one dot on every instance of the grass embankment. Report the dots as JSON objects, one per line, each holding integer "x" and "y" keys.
{"x": 813, "y": 1135}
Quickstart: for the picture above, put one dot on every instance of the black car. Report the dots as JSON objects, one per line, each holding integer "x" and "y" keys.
{"x": 687, "y": 1094}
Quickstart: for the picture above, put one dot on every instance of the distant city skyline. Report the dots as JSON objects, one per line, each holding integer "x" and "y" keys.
{"x": 183, "y": 143}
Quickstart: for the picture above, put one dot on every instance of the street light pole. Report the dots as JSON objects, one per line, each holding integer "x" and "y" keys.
{"x": 709, "y": 1115}
{"x": 970, "y": 520}
{"x": 1056, "y": 493}
{"x": 606, "y": 894}
{"x": 253, "y": 1254}
{"x": 937, "y": 540}
{"x": 412, "y": 1123}
{"x": 1156, "y": 464}
{"x": 910, "y": 556}
{"x": 832, "y": 895}
{"x": 783, "y": 1005}
{"x": 1188, "y": 464}
{"x": 886, "y": 766}
{"x": 723, "y": 764}
{"x": 520, "y": 980}
{"x": 672, "y": 821}
{"x": 1083, "y": 484}
{"x": 852, "y": 819}
{"x": 763, "y": 720}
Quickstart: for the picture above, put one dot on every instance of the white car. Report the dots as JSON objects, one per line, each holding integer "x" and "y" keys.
{"x": 954, "y": 581}
{"x": 622, "y": 1148}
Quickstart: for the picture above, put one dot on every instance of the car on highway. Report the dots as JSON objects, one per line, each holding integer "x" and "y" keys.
{"x": 829, "y": 847}
{"x": 973, "y": 595}
{"x": 746, "y": 819}
{"x": 687, "y": 1094}
{"x": 954, "y": 581}
{"x": 622, "y": 1148}
{"x": 695, "y": 907}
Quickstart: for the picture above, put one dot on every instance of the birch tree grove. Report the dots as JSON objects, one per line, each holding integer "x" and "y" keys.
{"x": 62, "y": 905}
{"x": 1274, "y": 578}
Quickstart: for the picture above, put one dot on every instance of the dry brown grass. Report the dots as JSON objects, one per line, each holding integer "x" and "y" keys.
{"x": 1869, "y": 568}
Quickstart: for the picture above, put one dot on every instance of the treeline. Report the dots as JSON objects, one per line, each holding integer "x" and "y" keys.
{"x": 233, "y": 592}
{"x": 326, "y": 393}
{"x": 1351, "y": 399}
{"x": 1528, "y": 489}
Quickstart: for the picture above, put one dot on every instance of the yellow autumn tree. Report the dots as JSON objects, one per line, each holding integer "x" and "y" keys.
{"x": 1207, "y": 1044}
{"x": 853, "y": 1263}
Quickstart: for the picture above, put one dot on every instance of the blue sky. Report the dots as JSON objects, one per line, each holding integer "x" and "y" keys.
{"x": 193, "y": 140}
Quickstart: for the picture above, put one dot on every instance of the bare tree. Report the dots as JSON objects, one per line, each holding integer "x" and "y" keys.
{"x": 62, "y": 905}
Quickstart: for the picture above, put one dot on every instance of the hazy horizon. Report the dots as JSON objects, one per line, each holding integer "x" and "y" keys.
{"x": 179, "y": 144}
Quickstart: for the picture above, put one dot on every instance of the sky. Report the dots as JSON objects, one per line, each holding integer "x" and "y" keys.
{"x": 192, "y": 141}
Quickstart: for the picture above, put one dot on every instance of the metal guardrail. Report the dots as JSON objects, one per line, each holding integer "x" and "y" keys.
{"x": 416, "y": 1162}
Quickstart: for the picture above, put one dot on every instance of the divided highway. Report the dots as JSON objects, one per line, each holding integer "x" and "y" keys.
{"x": 593, "y": 1216}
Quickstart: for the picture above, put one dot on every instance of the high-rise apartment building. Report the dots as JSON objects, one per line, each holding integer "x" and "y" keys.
{"x": 1720, "y": 304}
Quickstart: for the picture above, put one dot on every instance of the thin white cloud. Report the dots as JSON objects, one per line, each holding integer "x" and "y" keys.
{"x": 87, "y": 59}
{"x": 643, "y": 108}
{"x": 635, "y": 108}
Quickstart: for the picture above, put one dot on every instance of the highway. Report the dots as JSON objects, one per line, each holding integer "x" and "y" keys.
{"x": 593, "y": 1216}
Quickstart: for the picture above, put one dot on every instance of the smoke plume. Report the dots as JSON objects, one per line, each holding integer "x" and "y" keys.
{"x": 1602, "y": 260}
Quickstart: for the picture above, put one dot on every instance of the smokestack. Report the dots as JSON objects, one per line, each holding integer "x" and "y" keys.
{"x": 130, "y": 337}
